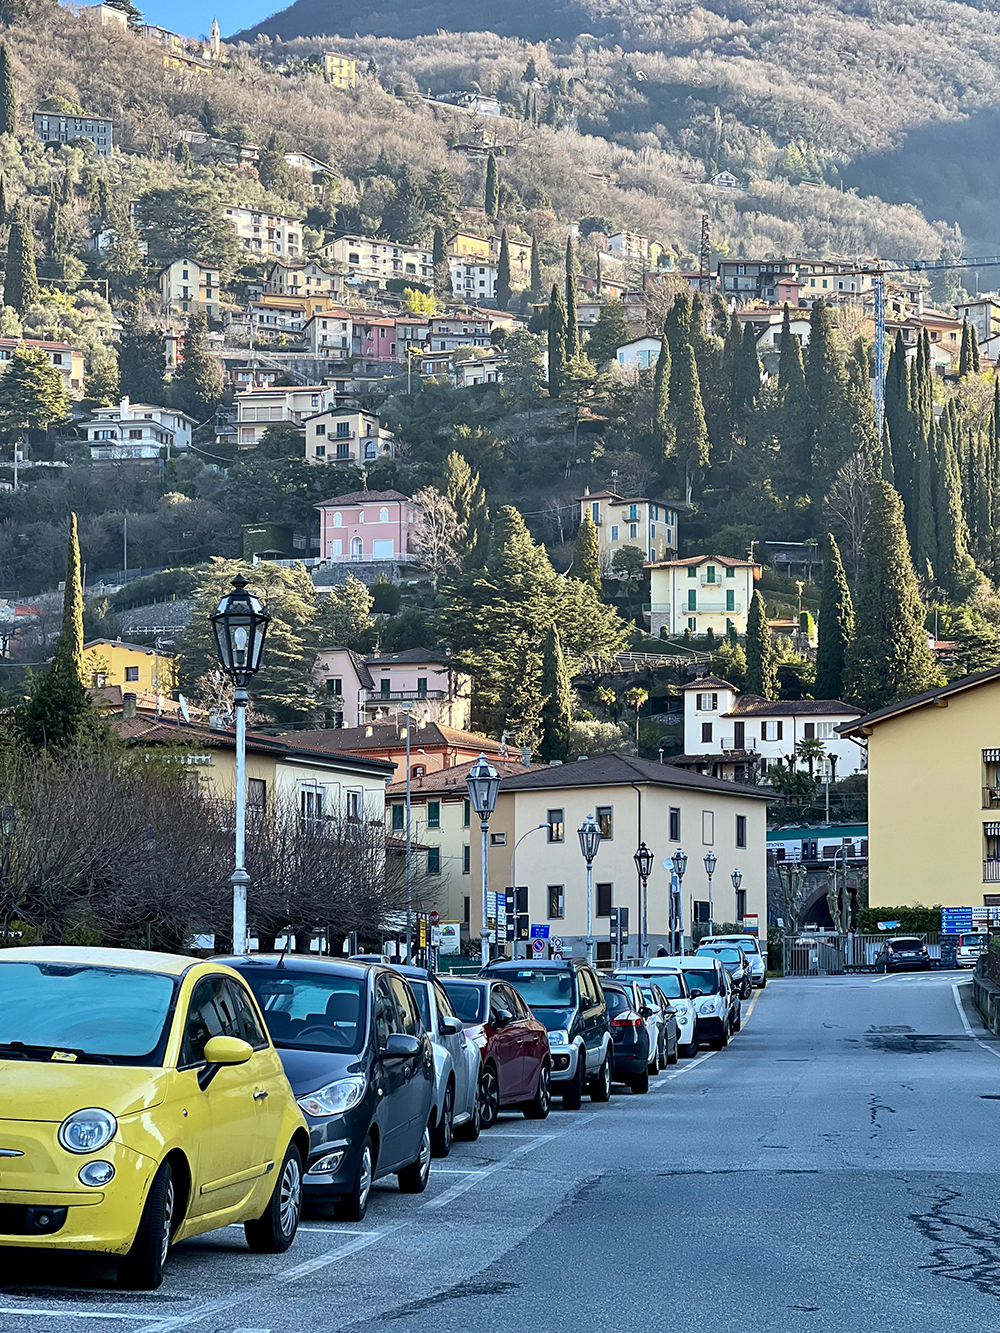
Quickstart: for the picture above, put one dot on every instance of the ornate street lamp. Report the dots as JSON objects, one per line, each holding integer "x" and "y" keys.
{"x": 483, "y": 782}
{"x": 711, "y": 861}
{"x": 680, "y": 864}
{"x": 240, "y": 624}
{"x": 589, "y": 834}
{"x": 643, "y": 859}
{"x": 737, "y": 879}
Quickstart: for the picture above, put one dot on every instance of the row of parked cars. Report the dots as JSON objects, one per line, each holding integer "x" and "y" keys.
{"x": 146, "y": 1098}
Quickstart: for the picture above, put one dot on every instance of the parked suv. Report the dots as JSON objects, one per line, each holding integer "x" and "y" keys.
{"x": 751, "y": 947}
{"x": 736, "y": 963}
{"x": 566, "y": 996}
{"x": 970, "y": 947}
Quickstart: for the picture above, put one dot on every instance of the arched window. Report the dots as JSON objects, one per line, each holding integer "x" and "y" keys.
{"x": 417, "y": 771}
{"x": 383, "y": 515}
{"x": 338, "y": 521}
{"x": 357, "y": 549}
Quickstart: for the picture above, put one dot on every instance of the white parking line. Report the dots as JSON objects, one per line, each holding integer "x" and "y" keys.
{"x": 27, "y": 1312}
{"x": 463, "y": 1185}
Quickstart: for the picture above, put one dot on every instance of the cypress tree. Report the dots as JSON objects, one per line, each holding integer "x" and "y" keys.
{"x": 196, "y": 387}
{"x": 785, "y": 348}
{"x": 20, "y": 284}
{"x": 3, "y": 204}
{"x": 887, "y": 471}
{"x": 536, "y": 270}
{"x": 889, "y": 658}
{"x": 69, "y": 646}
{"x": 662, "y": 426}
{"x": 720, "y": 315}
{"x": 8, "y": 93}
{"x": 572, "y": 327}
{"x": 468, "y": 498}
{"x": 955, "y": 568}
{"x": 557, "y": 708}
{"x": 557, "y": 342}
{"x": 586, "y": 564}
{"x": 762, "y": 674}
{"x": 689, "y": 418}
{"x": 437, "y": 253}
{"x": 974, "y": 342}
{"x": 677, "y": 330}
{"x": 503, "y": 289}
{"x": 746, "y": 380}
{"x": 965, "y": 354}
{"x": 492, "y": 195}
{"x": 182, "y": 156}
{"x": 831, "y": 436}
{"x": 836, "y": 624}
{"x": 925, "y": 552}
{"x": 796, "y": 439}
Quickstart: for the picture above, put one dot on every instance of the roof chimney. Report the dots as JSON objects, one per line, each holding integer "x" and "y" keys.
{"x": 128, "y": 705}
{"x": 526, "y": 755}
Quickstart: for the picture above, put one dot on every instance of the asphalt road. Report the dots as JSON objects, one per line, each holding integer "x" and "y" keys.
{"x": 836, "y": 1168}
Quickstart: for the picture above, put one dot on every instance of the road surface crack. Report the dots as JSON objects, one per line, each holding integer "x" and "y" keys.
{"x": 965, "y": 1248}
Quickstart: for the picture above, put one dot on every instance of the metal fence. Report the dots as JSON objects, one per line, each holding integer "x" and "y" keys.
{"x": 830, "y": 955}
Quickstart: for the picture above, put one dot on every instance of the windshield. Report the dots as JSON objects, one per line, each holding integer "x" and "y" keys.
{"x": 468, "y": 1000}
{"x": 311, "y": 1011}
{"x": 726, "y": 955}
{"x": 544, "y": 989}
{"x": 670, "y": 983}
{"x": 707, "y": 982}
{"x": 105, "y": 1013}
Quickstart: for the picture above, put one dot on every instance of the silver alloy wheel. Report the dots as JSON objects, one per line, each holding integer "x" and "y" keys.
{"x": 545, "y": 1089}
{"x": 365, "y": 1176}
{"x": 168, "y": 1220}
{"x": 425, "y": 1153}
{"x": 606, "y": 1076}
{"x": 290, "y": 1197}
{"x": 490, "y": 1097}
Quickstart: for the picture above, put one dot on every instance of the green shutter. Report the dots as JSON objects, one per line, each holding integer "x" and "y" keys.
{"x": 433, "y": 814}
{"x": 692, "y": 600}
{"x": 398, "y": 818}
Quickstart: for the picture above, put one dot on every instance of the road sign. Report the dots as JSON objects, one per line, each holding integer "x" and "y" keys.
{"x": 750, "y": 923}
{"x": 435, "y": 918}
{"x": 423, "y": 932}
{"x": 451, "y": 937}
{"x": 956, "y": 920}
{"x": 538, "y": 945}
{"x": 435, "y": 937}
{"x": 540, "y": 932}
{"x": 555, "y": 941}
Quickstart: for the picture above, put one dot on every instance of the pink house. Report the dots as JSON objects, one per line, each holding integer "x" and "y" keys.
{"x": 366, "y": 525}
{"x": 378, "y": 339}
{"x": 789, "y": 291}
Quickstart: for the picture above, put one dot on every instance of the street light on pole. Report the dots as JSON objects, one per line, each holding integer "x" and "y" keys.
{"x": 644, "y": 864}
{"x": 680, "y": 864}
{"x": 711, "y": 860}
{"x": 589, "y": 834}
{"x": 737, "y": 879}
{"x": 483, "y": 782}
{"x": 240, "y": 624}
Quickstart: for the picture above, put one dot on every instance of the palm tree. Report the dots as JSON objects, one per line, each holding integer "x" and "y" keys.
{"x": 810, "y": 750}
{"x": 636, "y": 696}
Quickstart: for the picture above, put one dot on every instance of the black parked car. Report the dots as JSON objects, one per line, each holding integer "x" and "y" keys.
{"x": 567, "y": 998}
{"x": 902, "y": 952}
{"x": 361, "y": 1067}
{"x": 630, "y": 1035}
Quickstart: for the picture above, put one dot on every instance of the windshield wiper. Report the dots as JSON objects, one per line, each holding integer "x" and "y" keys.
{"x": 27, "y": 1052}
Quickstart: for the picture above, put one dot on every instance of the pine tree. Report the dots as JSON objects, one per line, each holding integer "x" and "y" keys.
{"x": 196, "y": 387}
{"x": 889, "y": 658}
{"x": 762, "y": 673}
{"x": 32, "y": 393}
{"x": 134, "y": 21}
{"x": 20, "y": 284}
{"x": 965, "y": 354}
{"x": 557, "y": 708}
{"x": 536, "y": 270}
{"x": 8, "y": 93}
{"x": 503, "y": 289}
{"x": 468, "y": 498}
{"x": 572, "y": 327}
{"x": 557, "y": 342}
{"x": 720, "y": 315}
{"x": 689, "y": 419}
{"x": 272, "y": 168}
{"x": 182, "y": 156}
{"x": 491, "y": 201}
{"x": 610, "y": 330}
{"x": 586, "y": 564}
{"x": 836, "y": 624}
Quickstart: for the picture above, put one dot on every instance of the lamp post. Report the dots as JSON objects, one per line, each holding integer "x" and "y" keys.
{"x": 737, "y": 879}
{"x": 240, "y": 624}
{"x": 483, "y": 782}
{"x": 644, "y": 864}
{"x": 711, "y": 860}
{"x": 680, "y": 864}
{"x": 513, "y": 881}
{"x": 589, "y": 834}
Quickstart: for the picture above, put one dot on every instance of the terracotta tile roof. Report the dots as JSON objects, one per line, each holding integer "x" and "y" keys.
{"x": 710, "y": 683}
{"x": 451, "y": 781}
{"x": 621, "y": 770}
{"x": 362, "y": 497}
{"x": 704, "y": 560}
{"x": 752, "y": 705}
{"x": 385, "y": 736}
{"x": 155, "y": 731}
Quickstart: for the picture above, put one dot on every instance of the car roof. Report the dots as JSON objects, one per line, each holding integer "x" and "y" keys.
{"x": 337, "y": 967}
{"x": 133, "y": 960}
{"x": 466, "y": 981}
{"x": 412, "y": 973}
{"x": 691, "y": 960}
{"x": 731, "y": 939}
{"x": 541, "y": 965}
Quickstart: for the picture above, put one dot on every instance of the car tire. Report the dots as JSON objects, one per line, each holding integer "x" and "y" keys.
{"x": 572, "y": 1098}
{"x": 353, "y": 1206}
{"x": 489, "y": 1096}
{"x": 445, "y": 1128}
{"x": 600, "y": 1087}
{"x": 738, "y": 1025}
{"x": 142, "y": 1268}
{"x": 691, "y": 1048}
{"x": 274, "y": 1231}
{"x": 639, "y": 1083}
{"x": 541, "y": 1104}
{"x": 763, "y": 984}
{"x": 654, "y": 1066}
{"x": 413, "y": 1178}
{"x": 720, "y": 1043}
{"x": 672, "y": 1059}
{"x": 469, "y": 1131}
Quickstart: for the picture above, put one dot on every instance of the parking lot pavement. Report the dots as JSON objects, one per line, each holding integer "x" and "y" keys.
{"x": 842, "y": 1147}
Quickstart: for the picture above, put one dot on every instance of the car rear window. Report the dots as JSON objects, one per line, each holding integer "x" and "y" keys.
{"x": 469, "y": 1001}
{"x": 543, "y": 988}
{"x": 707, "y": 982}
{"x": 617, "y": 1000}
{"x": 907, "y": 944}
{"x": 977, "y": 940}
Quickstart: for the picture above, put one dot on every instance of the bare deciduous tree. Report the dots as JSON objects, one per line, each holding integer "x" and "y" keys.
{"x": 846, "y": 507}
{"x": 437, "y": 532}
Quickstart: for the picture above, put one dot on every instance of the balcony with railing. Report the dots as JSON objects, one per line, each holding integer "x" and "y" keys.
{"x": 991, "y": 872}
{"x": 991, "y": 798}
{"x": 379, "y": 698}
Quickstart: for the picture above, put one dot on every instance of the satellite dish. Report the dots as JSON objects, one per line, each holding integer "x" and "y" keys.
{"x": 185, "y": 712}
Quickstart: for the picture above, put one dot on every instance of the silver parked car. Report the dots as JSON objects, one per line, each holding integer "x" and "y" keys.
{"x": 457, "y": 1062}
{"x": 751, "y": 947}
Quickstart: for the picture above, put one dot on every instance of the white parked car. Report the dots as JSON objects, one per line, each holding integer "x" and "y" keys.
{"x": 673, "y": 984}
{"x": 751, "y": 947}
{"x": 716, "y": 1003}
{"x": 970, "y": 947}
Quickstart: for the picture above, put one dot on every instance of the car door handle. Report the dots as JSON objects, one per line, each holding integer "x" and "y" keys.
{"x": 259, "y": 1095}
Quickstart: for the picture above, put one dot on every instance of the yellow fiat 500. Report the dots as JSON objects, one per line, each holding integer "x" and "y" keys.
{"x": 141, "y": 1102}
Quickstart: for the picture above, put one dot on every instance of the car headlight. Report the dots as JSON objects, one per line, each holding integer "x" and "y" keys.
{"x": 88, "y": 1130}
{"x": 335, "y": 1098}
{"x": 96, "y": 1174}
{"x": 559, "y": 1037}
{"x": 706, "y": 1006}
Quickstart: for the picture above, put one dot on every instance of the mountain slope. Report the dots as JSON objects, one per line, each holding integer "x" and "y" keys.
{"x": 520, "y": 18}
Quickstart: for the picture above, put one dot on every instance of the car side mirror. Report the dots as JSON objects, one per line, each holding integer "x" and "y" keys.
{"x": 645, "y": 1012}
{"x": 501, "y": 1017}
{"x": 697, "y": 994}
{"x": 449, "y": 1027}
{"x": 221, "y": 1051}
{"x": 400, "y": 1046}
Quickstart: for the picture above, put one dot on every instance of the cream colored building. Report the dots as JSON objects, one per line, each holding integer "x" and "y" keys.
{"x": 340, "y": 435}
{"x": 303, "y": 280}
{"x": 934, "y": 796}
{"x": 341, "y": 71}
{"x": 634, "y": 800}
{"x": 366, "y": 258}
{"x": 256, "y": 409}
{"x": 263, "y": 233}
{"x": 187, "y": 285}
{"x": 650, "y": 525}
{"x": 701, "y": 593}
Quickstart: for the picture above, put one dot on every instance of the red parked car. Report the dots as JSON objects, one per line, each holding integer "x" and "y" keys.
{"x": 517, "y": 1069}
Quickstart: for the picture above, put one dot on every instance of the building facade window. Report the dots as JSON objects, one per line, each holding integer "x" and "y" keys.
{"x": 707, "y": 828}
{"x": 741, "y": 904}
{"x": 131, "y": 673}
{"x": 706, "y": 733}
{"x": 398, "y": 818}
{"x": 466, "y": 861}
{"x": 741, "y": 830}
{"x": 433, "y": 814}
{"x": 557, "y": 826}
{"x": 605, "y": 818}
{"x": 675, "y": 824}
{"x": 557, "y": 902}
{"x": 604, "y": 897}
{"x": 433, "y": 860}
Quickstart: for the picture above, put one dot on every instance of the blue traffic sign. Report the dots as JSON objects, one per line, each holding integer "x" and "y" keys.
{"x": 539, "y": 932}
{"x": 956, "y": 920}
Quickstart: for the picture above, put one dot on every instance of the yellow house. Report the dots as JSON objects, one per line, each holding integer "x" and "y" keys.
{"x": 341, "y": 71}
{"x": 634, "y": 801}
{"x": 701, "y": 593}
{"x": 934, "y": 796}
{"x": 133, "y": 667}
{"x": 187, "y": 285}
{"x": 649, "y": 525}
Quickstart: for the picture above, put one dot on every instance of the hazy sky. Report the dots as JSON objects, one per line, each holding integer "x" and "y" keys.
{"x": 193, "y": 18}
